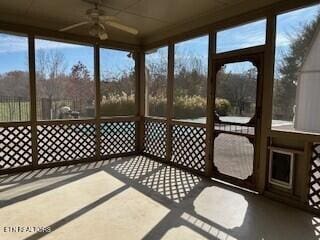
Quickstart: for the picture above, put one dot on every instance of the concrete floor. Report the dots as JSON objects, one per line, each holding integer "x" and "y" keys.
{"x": 137, "y": 198}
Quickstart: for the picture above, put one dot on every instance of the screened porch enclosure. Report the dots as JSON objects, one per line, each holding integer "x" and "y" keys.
{"x": 168, "y": 116}
{"x": 180, "y": 137}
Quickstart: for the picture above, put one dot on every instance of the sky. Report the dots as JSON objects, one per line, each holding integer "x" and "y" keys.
{"x": 14, "y": 55}
{"x": 13, "y": 49}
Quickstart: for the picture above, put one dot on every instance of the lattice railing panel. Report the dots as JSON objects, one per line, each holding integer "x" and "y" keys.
{"x": 15, "y": 147}
{"x": 118, "y": 137}
{"x": 65, "y": 142}
{"x": 188, "y": 146}
{"x": 155, "y": 134}
{"x": 314, "y": 190}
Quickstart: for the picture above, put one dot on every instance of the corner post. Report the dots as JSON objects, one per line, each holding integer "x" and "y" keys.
{"x": 98, "y": 99}
{"x": 210, "y": 107}
{"x": 266, "y": 104}
{"x": 33, "y": 99}
{"x": 170, "y": 87}
{"x": 140, "y": 99}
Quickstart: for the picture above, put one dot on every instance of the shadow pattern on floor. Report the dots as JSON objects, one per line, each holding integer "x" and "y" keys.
{"x": 175, "y": 189}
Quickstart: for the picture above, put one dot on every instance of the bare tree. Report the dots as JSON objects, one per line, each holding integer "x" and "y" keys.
{"x": 51, "y": 74}
{"x": 239, "y": 88}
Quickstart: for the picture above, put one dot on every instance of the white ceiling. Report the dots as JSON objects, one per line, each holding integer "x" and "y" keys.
{"x": 154, "y": 19}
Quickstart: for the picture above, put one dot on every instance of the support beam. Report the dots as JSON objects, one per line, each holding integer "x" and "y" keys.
{"x": 140, "y": 99}
{"x": 266, "y": 116}
{"x": 98, "y": 99}
{"x": 210, "y": 106}
{"x": 33, "y": 99}
{"x": 65, "y": 36}
{"x": 170, "y": 90}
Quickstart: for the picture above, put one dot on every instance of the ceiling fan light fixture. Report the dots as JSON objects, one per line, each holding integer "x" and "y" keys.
{"x": 103, "y": 35}
{"x": 94, "y": 30}
{"x": 97, "y": 19}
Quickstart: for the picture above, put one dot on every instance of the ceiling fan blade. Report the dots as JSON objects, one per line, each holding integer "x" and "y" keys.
{"x": 73, "y": 26}
{"x": 102, "y": 34}
{"x": 122, "y": 27}
{"x": 105, "y": 18}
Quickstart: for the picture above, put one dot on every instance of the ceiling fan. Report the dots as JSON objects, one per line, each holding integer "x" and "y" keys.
{"x": 98, "y": 20}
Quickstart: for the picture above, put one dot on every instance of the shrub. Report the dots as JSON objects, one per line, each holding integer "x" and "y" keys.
{"x": 185, "y": 107}
{"x": 157, "y": 106}
{"x": 118, "y": 105}
{"x": 188, "y": 107}
{"x": 223, "y": 106}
